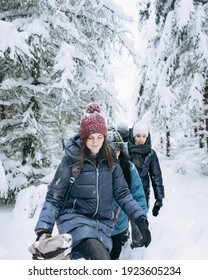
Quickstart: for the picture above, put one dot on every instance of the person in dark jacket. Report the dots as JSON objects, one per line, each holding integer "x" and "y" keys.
{"x": 87, "y": 213}
{"x": 121, "y": 232}
{"x": 147, "y": 163}
{"x": 124, "y": 131}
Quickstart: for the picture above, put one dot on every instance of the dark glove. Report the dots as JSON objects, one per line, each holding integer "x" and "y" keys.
{"x": 143, "y": 224}
{"x": 136, "y": 237}
{"x": 158, "y": 204}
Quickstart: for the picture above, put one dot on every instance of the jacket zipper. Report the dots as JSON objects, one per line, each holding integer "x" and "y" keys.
{"x": 98, "y": 198}
{"x": 73, "y": 205}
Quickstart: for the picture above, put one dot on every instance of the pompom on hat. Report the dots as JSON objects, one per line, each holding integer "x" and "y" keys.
{"x": 140, "y": 128}
{"x": 92, "y": 121}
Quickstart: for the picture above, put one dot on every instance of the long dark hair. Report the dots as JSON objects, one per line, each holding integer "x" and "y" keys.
{"x": 105, "y": 151}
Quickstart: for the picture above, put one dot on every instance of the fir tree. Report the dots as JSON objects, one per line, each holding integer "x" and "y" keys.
{"x": 173, "y": 71}
{"x": 55, "y": 61}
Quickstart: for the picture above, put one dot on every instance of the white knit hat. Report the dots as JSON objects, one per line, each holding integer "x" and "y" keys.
{"x": 140, "y": 128}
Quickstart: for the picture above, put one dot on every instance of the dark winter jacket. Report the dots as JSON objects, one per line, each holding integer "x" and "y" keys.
{"x": 147, "y": 164}
{"x": 88, "y": 211}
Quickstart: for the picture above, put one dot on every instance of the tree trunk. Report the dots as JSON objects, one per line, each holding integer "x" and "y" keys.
{"x": 161, "y": 141}
{"x": 167, "y": 142}
{"x": 201, "y": 133}
{"x": 206, "y": 115}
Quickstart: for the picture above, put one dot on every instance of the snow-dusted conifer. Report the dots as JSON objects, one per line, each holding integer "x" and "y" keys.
{"x": 56, "y": 59}
{"x": 173, "y": 73}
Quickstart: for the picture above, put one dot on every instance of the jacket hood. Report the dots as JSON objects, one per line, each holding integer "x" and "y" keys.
{"x": 72, "y": 149}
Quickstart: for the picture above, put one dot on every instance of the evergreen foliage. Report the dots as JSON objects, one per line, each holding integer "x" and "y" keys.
{"x": 173, "y": 69}
{"x": 56, "y": 59}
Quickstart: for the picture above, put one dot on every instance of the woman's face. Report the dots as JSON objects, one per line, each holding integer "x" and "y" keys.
{"x": 94, "y": 142}
{"x": 140, "y": 139}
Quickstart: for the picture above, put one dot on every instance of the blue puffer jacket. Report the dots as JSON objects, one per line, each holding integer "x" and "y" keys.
{"x": 138, "y": 194}
{"x": 88, "y": 212}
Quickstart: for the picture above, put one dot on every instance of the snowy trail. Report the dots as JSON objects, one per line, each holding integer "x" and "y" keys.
{"x": 180, "y": 232}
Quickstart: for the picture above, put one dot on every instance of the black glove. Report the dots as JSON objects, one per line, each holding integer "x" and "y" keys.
{"x": 158, "y": 204}
{"x": 136, "y": 237}
{"x": 142, "y": 224}
{"x": 42, "y": 232}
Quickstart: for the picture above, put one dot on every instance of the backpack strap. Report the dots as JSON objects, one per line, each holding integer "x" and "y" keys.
{"x": 75, "y": 171}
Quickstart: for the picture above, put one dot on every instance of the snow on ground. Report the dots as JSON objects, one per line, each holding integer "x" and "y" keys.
{"x": 180, "y": 232}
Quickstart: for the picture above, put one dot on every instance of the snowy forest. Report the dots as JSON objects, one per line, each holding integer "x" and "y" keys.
{"x": 57, "y": 56}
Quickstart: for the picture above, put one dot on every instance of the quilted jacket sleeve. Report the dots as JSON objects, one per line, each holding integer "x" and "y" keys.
{"x": 55, "y": 197}
{"x": 156, "y": 177}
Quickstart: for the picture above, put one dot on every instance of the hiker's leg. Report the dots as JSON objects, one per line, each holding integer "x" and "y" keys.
{"x": 118, "y": 241}
{"x": 92, "y": 249}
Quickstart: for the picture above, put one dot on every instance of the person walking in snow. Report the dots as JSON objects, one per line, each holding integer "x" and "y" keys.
{"x": 124, "y": 131}
{"x": 85, "y": 209}
{"x": 121, "y": 232}
{"x": 147, "y": 163}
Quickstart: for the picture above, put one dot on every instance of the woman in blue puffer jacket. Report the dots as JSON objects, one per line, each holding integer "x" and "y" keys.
{"x": 121, "y": 232}
{"x": 87, "y": 213}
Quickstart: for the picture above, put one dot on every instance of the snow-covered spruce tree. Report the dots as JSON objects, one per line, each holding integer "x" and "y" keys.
{"x": 173, "y": 71}
{"x": 56, "y": 59}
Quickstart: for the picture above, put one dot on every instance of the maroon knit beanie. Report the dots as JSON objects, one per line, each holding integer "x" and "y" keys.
{"x": 92, "y": 122}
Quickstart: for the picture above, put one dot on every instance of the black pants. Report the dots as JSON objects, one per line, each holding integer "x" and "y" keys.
{"x": 92, "y": 249}
{"x": 118, "y": 241}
